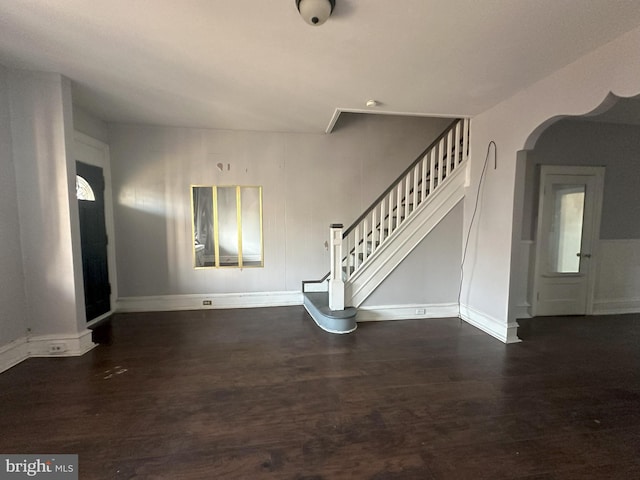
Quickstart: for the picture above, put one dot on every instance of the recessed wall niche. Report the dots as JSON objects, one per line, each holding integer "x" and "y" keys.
{"x": 227, "y": 226}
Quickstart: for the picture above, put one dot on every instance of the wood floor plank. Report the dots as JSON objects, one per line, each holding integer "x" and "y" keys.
{"x": 264, "y": 393}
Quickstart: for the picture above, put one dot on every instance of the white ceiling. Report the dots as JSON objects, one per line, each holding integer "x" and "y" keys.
{"x": 256, "y": 65}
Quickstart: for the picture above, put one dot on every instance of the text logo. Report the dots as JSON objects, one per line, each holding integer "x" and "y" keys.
{"x": 50, "y": 467}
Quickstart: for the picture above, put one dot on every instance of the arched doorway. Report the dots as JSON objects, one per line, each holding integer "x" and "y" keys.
{"x": 609, "y": 137}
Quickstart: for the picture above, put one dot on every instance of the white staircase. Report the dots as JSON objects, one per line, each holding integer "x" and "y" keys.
{"x": 386, "y": 233}
{"x": 412, "y": 230}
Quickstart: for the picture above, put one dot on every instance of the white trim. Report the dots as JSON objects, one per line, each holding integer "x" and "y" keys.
{"x": 598, "y": 173}
{"x": 81, "y": 139}
{"x": 13, "y": 353}
{"x": 333, "y": 120}
{"x": 616, "y": 306}
{"x": 505, "y": 332}
{"x": 406, "y": 312}
{"x": 74, "y": 344}
{"x": 166, "y": 303}
{"x": 338, "y": 111}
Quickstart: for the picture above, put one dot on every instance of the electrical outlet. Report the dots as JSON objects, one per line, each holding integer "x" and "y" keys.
{"x": 57, "y": 347}
{"x": 420, "y": 311}
{"x": 206, "y": 302}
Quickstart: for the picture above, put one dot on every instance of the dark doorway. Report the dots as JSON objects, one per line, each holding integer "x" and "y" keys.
{"x": 93, "y": 234}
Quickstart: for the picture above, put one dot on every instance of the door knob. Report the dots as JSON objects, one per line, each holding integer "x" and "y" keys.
{"x": 583, "y": 255}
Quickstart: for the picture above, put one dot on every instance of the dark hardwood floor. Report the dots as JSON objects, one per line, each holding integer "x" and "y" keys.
{"x": 264, "y": 393}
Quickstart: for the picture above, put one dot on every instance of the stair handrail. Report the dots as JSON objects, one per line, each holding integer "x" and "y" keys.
{"x": 401, "y": 177}
{"x": 443, "y": 146}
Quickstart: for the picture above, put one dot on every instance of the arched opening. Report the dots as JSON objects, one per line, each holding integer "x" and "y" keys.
{"x": 608, "y": 137}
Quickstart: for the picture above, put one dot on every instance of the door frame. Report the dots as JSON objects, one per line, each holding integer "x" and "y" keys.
{"x": 598, "y": 173}
{"x": 92, "y": 151}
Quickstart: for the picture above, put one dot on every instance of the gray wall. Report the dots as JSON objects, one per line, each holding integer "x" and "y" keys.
{"x": 430, "y": 275}
{"x": 573, "y": 142}
{"x": 13, "y": 321}
{"x": 309, "y": 181}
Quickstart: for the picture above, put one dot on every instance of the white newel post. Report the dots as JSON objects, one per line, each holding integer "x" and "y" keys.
{"x": 336, "y": 284}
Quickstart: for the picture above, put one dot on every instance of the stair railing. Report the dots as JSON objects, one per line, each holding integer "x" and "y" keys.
{"x": 396, "y": 204}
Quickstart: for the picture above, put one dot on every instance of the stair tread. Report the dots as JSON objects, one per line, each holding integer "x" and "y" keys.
{"x": 321, "y": 302}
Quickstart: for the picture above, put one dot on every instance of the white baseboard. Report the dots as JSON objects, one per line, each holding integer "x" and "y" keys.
{"x": 13, "y": 353}
{"x": 71, "y": 345}
{"x": 316, "y": 286}
{"x": 406, "y": 312}
{"x": 167, "y": 303}
{"x": 504, "y": 331}
{"x": 616, "y": 306}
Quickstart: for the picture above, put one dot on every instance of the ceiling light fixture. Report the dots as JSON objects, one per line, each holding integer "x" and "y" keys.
{"x": 372, "y": 103}
{"x": 315, "y": 12}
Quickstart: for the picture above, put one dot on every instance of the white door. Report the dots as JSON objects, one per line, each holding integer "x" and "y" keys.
{"x": 567, "y": 235}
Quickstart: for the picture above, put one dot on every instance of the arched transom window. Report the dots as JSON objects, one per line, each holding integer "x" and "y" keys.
{"x": 84, "y": 190}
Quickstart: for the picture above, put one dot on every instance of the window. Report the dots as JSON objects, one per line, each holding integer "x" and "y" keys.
{"x": 227, "y": 226}
{"x": 84, "y": 190}
{"x": 565, "y": 239}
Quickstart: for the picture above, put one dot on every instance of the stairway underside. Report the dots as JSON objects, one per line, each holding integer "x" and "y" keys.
{"x": 417, "y": 226}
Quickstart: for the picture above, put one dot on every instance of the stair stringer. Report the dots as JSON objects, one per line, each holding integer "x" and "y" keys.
{"x": 405, "y": 239}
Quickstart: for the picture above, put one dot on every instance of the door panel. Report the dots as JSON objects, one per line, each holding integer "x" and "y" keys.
{"x": 93, "y": 235}
{"x": 568, "y": 226}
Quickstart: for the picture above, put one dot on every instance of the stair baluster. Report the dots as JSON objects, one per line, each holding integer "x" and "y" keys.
{"x": 364, "y": 240}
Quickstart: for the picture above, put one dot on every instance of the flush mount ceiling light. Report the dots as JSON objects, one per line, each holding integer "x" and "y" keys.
{"x": 315, "y": 12}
